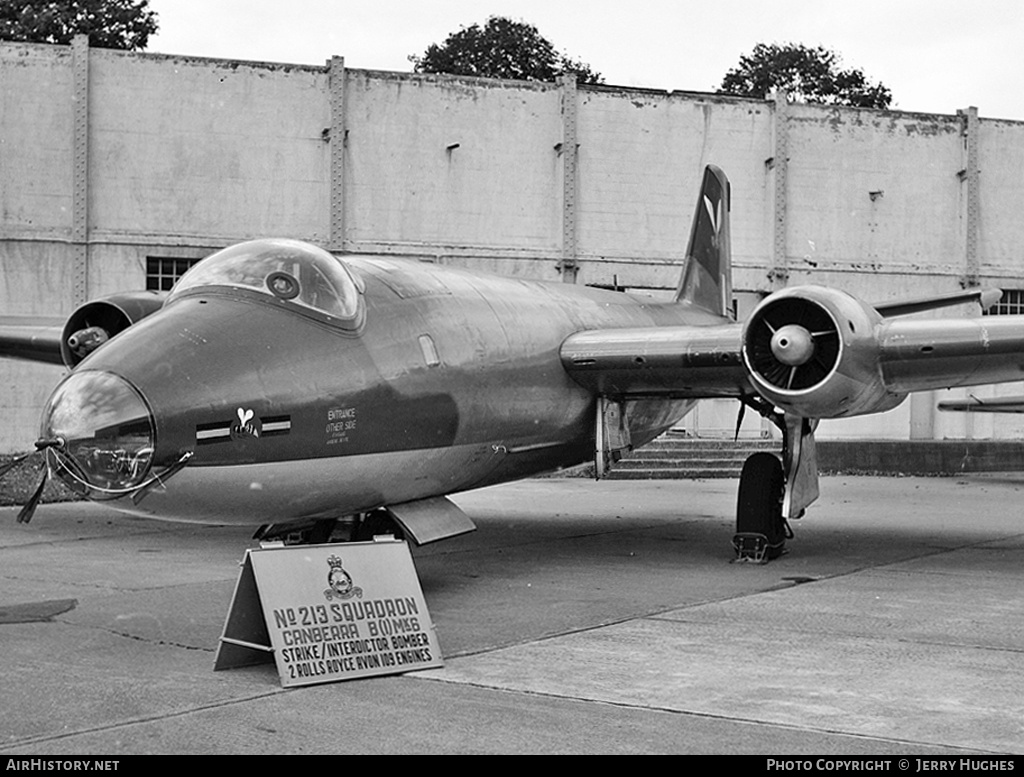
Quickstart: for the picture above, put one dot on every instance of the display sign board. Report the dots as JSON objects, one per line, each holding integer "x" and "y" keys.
{"x": 330, "y": 612}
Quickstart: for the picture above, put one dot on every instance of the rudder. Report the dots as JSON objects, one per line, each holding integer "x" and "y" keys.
{"x": 706, "y": 281}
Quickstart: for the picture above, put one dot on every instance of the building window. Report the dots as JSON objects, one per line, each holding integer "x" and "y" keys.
{"x": 162, "y": 273}
{"x": 1011, "y": 304}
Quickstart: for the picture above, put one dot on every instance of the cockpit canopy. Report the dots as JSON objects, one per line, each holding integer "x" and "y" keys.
{"x": 291, "y": 272}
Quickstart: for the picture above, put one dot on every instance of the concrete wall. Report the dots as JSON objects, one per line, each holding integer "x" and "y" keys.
{"x": 453, "y": 169}
{"x": 109, "y": 157}
{"x": 641, "y": 159}
{"x": 205, "y": 149}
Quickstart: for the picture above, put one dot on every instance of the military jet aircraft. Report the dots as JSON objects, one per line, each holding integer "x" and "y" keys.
{"x": 280, "y": 385}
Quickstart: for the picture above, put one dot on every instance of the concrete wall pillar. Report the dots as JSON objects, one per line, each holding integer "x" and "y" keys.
{"x": 969, "y": 175}
{"x": 80, "y": 168}
{"x": 922, "y": 415}
{"x": 568, "y": 267}
{"x": 338, "y": 141}
{"x": 778, "y": 166}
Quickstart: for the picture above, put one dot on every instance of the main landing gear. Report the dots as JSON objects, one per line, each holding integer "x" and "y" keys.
{"x": 772, "y": 491}
{"x": 761, "y": 528}
{"x": 362, "y": 527}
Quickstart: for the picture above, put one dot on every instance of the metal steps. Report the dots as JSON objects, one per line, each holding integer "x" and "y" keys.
{"x": 678, "y": 457}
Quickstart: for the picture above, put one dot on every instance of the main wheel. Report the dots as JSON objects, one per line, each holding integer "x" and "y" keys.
{"x": 759, "y": 505}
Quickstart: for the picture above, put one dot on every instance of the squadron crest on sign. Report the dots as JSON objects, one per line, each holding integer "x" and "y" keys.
{"x": 340, "y": 582}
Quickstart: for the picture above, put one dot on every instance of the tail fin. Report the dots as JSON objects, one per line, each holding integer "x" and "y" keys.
{"x": 707, "y": 276}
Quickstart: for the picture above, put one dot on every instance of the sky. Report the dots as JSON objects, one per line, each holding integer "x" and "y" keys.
{"x": 936, "y": 56}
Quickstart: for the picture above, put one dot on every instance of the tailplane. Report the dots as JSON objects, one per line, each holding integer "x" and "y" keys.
{"x": 706, "y": 281}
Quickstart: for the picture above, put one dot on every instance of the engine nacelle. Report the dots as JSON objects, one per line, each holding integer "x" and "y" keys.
{"x": 814, "y": 352}
{"x": 91, "y": 325}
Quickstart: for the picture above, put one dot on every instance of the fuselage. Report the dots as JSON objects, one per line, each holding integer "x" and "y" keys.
{"x": 443, "y": 380}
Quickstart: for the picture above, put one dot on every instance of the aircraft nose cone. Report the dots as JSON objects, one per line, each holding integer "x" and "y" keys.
{"x": 105, "y": 431}
{"x": 792, "y": 345}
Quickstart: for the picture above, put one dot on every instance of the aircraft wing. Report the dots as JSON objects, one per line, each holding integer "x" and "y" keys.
{"x": 31, "y": 339}
{"x": 856, "y": 361}
{"x": 945, "y": 353}
{"x": 977, "y": 405}
{"x": 672, "y": 361}
{"x": 985, "y": 297}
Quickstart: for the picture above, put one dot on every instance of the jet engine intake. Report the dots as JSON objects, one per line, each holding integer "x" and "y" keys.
{"x": 814, "y": 352}
{"x": 92, "y": 324}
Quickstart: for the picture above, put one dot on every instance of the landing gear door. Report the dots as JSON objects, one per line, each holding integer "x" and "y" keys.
{"x": 430, "y": 520}
{"x": 611, "y": 436}
{"x": 801, "y": 466}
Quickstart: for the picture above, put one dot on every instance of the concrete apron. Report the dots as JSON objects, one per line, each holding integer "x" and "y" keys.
{"x": 580, "y": 617}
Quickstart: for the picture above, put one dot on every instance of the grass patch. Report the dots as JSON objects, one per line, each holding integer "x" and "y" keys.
{"x": 17, "y": 485}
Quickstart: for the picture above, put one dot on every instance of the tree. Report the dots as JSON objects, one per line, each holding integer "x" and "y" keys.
{"x": 501, "y": 49}
{"x": 805, "y": 74}
{"x": 110, "y": 24}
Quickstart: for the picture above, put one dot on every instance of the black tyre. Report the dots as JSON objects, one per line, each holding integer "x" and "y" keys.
{"x": 759, "y": 506}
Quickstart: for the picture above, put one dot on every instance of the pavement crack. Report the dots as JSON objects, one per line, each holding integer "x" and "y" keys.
{"x": 162, "y": 642}
{"x": 141, "y": 720}
{"x": 707, "y": 715}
